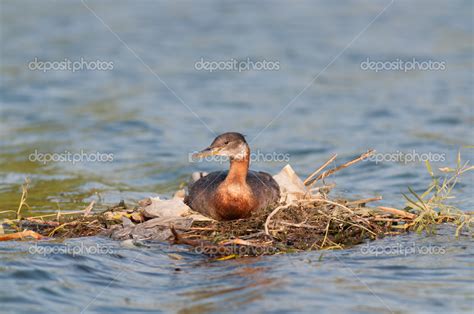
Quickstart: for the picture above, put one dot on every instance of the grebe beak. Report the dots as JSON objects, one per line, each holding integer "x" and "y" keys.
{"x": 210, "y": 151}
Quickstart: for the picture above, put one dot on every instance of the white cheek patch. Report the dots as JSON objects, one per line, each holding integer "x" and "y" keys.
{"x": 240, "y": 152}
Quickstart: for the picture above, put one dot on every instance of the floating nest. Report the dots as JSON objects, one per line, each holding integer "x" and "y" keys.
{"x": 313, "y": 222}
{"x": 307, "y": 224}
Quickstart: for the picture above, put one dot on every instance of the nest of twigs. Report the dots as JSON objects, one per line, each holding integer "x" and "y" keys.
{"x": 312, "y": 222}
{"x": 309, "y": 224}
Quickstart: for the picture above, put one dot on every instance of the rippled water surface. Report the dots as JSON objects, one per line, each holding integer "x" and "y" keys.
{"x": 154, "y": 108}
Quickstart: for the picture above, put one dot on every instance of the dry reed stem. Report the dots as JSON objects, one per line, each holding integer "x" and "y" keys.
{"x": 347, "y": 164}
{"x": 336, "y": 204}
{"x": 347, "y": 222}
{"x": 330, "y": 160}
{"x": 24, "y": 195}
{"x": 325, "y": 234}
{"x": 398, "y": 212}
{"x": 21, "y": 235}
{"x": 89, "y": 208}
{"x": 300, "y": 225}
{"x": 58, "y": 228}
{"x": 364, "y": 201}
{"x": 273, "y": 213}
{"x": 322, "y": 188}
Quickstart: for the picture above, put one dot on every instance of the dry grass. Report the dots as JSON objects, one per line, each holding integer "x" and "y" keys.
{"x": 317, "y": 222}
{"x": 324, "y": 223}
{"x": 434, "y": 206}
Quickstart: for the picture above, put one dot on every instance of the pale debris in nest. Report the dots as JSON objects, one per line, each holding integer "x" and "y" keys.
{"x": 175, "y": 207}
{"x": 292, "y": 187}
{"x": 160, "y": 214}
{"x": 157, "y": 229}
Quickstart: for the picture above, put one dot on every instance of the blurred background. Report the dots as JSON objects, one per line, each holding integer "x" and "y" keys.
{"x": 153, "y": 106}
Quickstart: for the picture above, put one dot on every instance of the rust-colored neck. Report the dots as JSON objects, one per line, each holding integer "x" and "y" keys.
{"x": 238, "y": 170}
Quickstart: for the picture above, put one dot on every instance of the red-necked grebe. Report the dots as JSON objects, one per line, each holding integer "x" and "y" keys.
{"x": 233, "y": 194}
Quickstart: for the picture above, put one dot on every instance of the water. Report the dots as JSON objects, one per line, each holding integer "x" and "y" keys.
{"x": 148, "y": 280}
{"x": 130, "y": 113}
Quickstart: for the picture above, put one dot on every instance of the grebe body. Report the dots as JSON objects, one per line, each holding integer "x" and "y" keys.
{"x": 236, "y": 193}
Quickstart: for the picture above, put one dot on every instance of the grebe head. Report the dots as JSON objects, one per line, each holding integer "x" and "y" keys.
{"x": 231, "y": 144}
